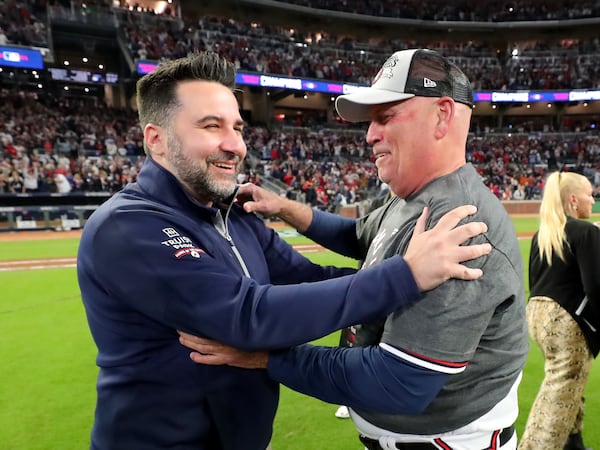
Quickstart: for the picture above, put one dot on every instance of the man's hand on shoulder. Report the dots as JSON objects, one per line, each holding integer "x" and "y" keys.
{"x": 435, "y": 255}
{"x": 255, "y": 199}
{"x": 259, "y": 200}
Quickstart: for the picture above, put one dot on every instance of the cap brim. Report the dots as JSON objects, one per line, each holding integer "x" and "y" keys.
{"x": 355, "y": 107}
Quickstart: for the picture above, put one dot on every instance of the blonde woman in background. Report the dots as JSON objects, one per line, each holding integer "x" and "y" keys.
{"x": 563, "y": 312}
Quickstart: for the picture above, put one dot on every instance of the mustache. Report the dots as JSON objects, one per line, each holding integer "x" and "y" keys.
{"x": 224, "y": 156}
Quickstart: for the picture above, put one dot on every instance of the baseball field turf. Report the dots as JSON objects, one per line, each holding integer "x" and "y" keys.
{"x": 48, "y": 371}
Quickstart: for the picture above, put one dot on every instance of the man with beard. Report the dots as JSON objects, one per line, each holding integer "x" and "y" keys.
{"x": 172, "y": 251}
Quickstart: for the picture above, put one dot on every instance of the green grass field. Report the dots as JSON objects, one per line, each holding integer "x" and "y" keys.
{"x": 48, "y": 365}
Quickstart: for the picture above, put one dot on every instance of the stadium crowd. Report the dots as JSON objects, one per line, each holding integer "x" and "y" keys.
{"x": 548, "y": 64}
{"x": 463, "y": 10}
{"x": 70, "y": 146}
{"x": 23, "y": 23}
{"x": 557, "y": 64}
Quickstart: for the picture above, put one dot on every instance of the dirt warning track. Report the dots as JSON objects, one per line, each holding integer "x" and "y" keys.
{"x": 55, "y": 263}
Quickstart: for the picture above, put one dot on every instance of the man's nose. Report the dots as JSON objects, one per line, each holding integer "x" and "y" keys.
{"x": 373, "y": 133}
{"x": 234, "y": 142}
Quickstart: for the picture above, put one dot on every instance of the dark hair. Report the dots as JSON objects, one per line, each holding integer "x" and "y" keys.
{"x": 156, "y": 98}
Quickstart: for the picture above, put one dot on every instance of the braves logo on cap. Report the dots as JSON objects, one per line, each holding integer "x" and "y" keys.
{"x": 390, "y": 63}
{"x": 387, "y": 70}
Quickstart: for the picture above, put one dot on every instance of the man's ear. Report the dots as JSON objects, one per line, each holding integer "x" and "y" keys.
{"x": 445, "y": 114}
{"x": 155, "y": 139}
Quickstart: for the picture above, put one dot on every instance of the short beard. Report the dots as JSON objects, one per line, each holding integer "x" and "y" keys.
{"x": 195, "y": 178}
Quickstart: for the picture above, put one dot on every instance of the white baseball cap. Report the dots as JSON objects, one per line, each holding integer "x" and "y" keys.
{"x": 406, "y": 74}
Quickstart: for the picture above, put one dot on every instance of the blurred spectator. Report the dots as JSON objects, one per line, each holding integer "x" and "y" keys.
{"x": 15, "y": 182}
{"x": 30, "y": 179}
{"x": 62, "y": 183}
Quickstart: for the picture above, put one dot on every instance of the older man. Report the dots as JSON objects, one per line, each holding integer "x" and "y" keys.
{"x": 444, "y": 373}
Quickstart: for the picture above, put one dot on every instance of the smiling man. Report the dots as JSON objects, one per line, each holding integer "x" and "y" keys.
{"x": 444, "y": 373}
{"x": 172, "y": 251}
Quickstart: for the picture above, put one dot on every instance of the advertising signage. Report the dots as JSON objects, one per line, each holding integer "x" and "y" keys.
{"x": 273, "y": 81}
{"x": 297, "y": 84}
{"x": 535, "y": 96}
{"x": 83, "y": 76}
{"x": 23, "y": 58}
{"x": 336, "y": 88}
{"x": 144, "y": 67}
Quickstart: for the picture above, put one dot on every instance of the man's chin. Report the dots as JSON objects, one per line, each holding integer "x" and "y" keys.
{"x": 382, "y": 176}
{"x": 224, "y": 191}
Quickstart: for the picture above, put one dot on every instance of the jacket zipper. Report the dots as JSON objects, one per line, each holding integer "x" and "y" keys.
{"x": 222, "y": 228}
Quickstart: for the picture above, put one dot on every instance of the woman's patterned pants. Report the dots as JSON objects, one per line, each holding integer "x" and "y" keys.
{"x": 558, "y": 407}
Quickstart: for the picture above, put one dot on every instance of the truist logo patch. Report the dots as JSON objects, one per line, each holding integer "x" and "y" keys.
{"x": 170, "y": 232}
{"x": 182, "y": 245}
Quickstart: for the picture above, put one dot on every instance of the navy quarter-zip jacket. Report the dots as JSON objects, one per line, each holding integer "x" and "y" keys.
{"x": 151, "y": 261}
